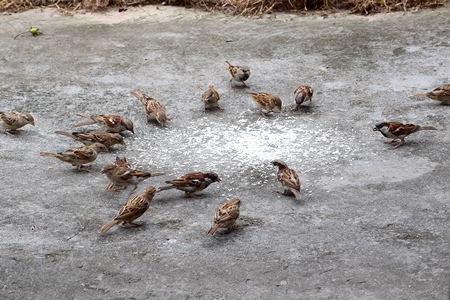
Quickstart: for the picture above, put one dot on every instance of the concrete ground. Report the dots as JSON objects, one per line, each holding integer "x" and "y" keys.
{"x": 374, "y": 224}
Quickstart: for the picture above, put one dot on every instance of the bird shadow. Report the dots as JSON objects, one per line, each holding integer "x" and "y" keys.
{"x": 222, "y": 236}
{"x": 212, "y": 109}
{"x": 304, "y": 109}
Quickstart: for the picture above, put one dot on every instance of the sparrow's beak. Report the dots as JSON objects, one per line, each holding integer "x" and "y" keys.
{"x": 218, "y": 179}
{"x": 32, "y": 123}
{"x": 376, "y": 129}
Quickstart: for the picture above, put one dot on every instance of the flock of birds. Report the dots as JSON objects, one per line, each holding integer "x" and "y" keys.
{"x": 121, "y": 175}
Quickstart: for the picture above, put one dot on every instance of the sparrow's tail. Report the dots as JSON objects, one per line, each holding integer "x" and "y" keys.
{"x": 85, "y": 123}
{"x": 138, "y": 94}
{"x": 298, "y": 195}
{"x": 108, "y": 226}
{"x": 143, "y": 98}
{"x": 122, "y": 162}
{"x": 227, "y": 64}
{"x": 164, "y": 188}
{"x": 84, "y": 115}
{"x": 427, "y": 128}
{"x": 64, "y": 133}
{"x": 213, "y": 229}
{"x": 48, "y": 154}
{"x": 156, "y": 174}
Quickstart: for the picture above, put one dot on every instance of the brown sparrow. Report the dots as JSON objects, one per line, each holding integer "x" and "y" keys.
{"x": 288, "y": 179}
{"x": 192, "y": 183}
{"x": 303, "y": 93}
{"x": 88, "y": 138}
{"x": 153, "y": 108}
{"x": 440, "y": 94}
{"x": 397, "y": 130}
{"x": 133, "y": 209}
{"x": 122, "y": 162}
{"x": 12, "y": 121}
{"x": 267, "y": 101}
{"x": 124, "y": 176}
{"x": 225, "y": 216}
{"x": 110, "y": 123}
{"x": 238, "y": 73}
{"x": 211, "y": 98}
{"x": 80, "y": 155}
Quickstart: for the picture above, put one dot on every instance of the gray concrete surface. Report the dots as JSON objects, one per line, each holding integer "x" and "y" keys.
{"x": 374, "y": 223}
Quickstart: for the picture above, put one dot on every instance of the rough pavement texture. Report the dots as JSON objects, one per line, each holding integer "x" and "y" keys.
{"x": 374, "y": 224}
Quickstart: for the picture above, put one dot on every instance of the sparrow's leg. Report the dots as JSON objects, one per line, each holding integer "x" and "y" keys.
{"x": 84, "y": 168}
{"x": 281, "y": 192}
{"x": 139, "y": 224}
{"x": 110, "y": 186}
{"x": 399, "y": 144}
{"x": 391, "y": 141}
{"x": 10, "y": 134}
{"x": 115, "y": 190}
{"x": 192, "y": 195}
{"x": 231, "y": 228}
{"x": 263, "y": 114}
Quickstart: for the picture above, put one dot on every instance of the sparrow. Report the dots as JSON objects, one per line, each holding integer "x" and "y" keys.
{"x": 124, "y": 176}
{"x": 288, "y": 179}
{"x": 133, "y": 209}
{"x": 153, "y": 108}
{"x": 12, "y": 121}
{"x": 211, "y": 98}
{"x": 80, "y": 155}
{"x": 225, "y": 216}
{"x": 238, "y": 73}
{"x": 110, "y": 123}
{"x": 267, "y": 101}
{"x": 303, "y": 93}
{"x": 440, "y": 94}
{"x": 192, "y": 183}
{"x": 122, "y": 162}
{"x": 88, "y": 138}
{"x": 397, "y": 130}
